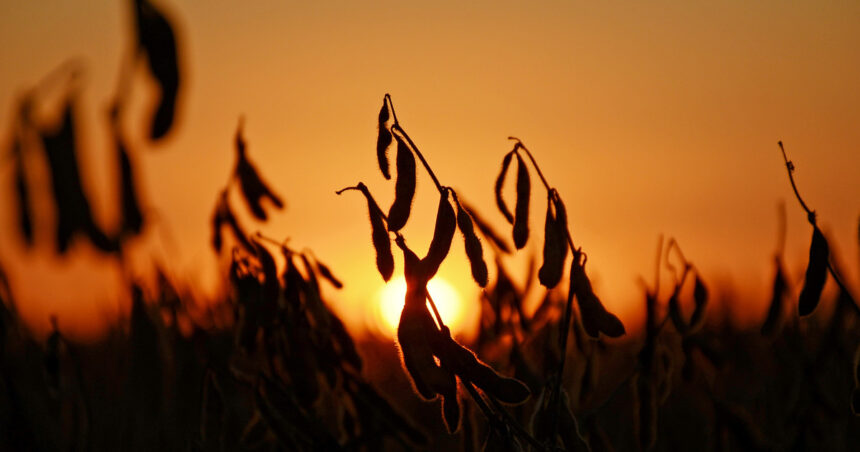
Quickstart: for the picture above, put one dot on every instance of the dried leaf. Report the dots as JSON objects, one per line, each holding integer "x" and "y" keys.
{"x": 554, "y": 249}
{"x": 500, "y": 182}
{"x": 383, "y": 141}
{"x": 474, "y": 250}
{"x": 816, "y": 273}
{"x": 443, "y": 234}
{"x": 253, "y": 187}
{"x": 157, "y": 41}
{"x": 774, "y": 312}
{"x": 521, "y": 216}
{"x": 404, "y": 187}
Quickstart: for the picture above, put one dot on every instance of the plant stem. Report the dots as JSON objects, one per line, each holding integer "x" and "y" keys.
{"x": 789, "y": 166}
{"x": 810, "y": 216}
{"x": 396, "y": 126}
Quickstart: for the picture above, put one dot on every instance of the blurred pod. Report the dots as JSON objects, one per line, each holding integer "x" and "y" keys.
{"x": 816, "y": 273}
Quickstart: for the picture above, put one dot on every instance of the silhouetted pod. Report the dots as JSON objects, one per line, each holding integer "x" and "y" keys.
{"x": 238, "y": 233}
{"x": 474, "y": 250}
{"x": 488, "y": 232}
{"x": 500, "y": 183}
{"x": 25, "y": 215}
{"x": 326, "y": 273}
{"x": 554, "y": 249}
{"x": 451, "y": 410}
{"x": 443, "y": 234}
{"x": 271, "y": 283}
{"x": 675, "y": 313}
{"x": 73, "y": 209}
{"x": 464, "y": 363}
{"x": 383, "y": 140}
{"x": 379, "y": 236}
{"x": 132, "y": 217}
{"x": 253, "y": 187}
{"x": 157, "y": 41}
{"x": 219, "y": 218}
{"x": 855, "y": 401}
{"x": 404, "y": 187}
{"x": 414, "y": 331}
{"x": 521, "y": 210}
{"x": 771, "y": 322}
{"x": 595, "y": 318}
{"x": 816, "y": 273}
{"x": 857, "y": 366}
{"x": 700, "y": 297}
{"x": 645, "y": 406}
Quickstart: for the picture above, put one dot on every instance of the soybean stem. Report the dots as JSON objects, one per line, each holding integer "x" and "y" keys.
{"x": 396, "y": 126}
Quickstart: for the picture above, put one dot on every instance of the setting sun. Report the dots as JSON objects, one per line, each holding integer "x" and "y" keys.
{"x": 389, "y": 303}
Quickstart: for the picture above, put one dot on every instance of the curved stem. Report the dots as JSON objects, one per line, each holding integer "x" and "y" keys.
{"x": 414, "y": 148}
{"x": 789, "y": 166}
{"x": 520, "y": 145}
{"x": 810, "y": 216}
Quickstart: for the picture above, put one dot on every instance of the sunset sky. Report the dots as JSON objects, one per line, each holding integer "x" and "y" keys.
{"x": 649, "y": 119}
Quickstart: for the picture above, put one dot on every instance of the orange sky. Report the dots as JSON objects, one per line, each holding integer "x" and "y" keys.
{"x": 649, "y": 119}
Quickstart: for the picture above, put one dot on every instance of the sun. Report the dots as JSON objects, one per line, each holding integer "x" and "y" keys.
{"x": 390, "y": 298}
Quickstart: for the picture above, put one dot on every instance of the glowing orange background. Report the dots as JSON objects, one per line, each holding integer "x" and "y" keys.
{"x": 649, "y": 119}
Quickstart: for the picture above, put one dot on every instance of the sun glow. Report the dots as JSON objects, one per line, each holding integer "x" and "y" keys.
{"x": 390, "y": 303}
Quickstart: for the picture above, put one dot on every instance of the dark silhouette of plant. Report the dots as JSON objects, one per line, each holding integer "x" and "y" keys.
{"x": 431, "y": 357}
{"x": 819, "y": 255}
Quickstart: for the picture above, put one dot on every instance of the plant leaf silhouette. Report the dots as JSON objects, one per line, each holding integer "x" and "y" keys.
{"x": 500, "y": 183}
{"x": 157, "y": 42}
{"x": 73, "y": 208}
{"x": 816, "y": 273}
{"x": 474, "y": 250}
{"x": 554, "y": 247}
{"x": 521, "y": 215}
{"x": 383, "y": 141}
{"x": 404, "y": 187}
{"x": 443, "y": 234}
{"x": 253, "y": 187}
